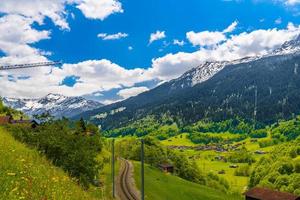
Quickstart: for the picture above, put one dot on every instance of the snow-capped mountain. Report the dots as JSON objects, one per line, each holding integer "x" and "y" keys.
{"x": 217, "y": 89}
{"x": 207, "y": 70}
{"x": 55, "y": 104}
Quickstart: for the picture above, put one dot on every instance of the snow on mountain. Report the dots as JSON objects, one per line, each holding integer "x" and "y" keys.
{"x": 207, "y": 70}
{"x": 55, "y": 104}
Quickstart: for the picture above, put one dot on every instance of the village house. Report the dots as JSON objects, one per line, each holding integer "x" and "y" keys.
{"x": 267, "y": 194}
{"x": 5, "y": 120}
{"x": 166, "y": 167}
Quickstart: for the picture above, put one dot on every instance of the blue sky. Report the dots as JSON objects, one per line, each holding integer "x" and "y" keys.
{"x": 105, "y": 48}
{"x": 140, "y": 18}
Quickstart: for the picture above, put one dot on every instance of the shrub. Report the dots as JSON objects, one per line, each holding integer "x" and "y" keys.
{"x": 242, "y": 171}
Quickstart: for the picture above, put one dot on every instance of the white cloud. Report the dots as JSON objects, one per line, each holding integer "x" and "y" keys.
{"x": 37, "y": 10}
{"x": 99, "y": 9}
{"x": 231, "y": 27}
{"x": 55, "y": 9}
{"x": 179, "y": 43}
{"x": 158, "y": 35}
{"x": 96, "y": 76}
{"x": 98, "y": 94}
{"x": 130, "y": 48}
{"x": 210, "y": 38}
{"x": 278, "y": 20}
{"x": 233, "y": 47}
{"x": 129, "y": 92}
{"x": 292, "y": 2}
{"x": 116, "y": 36}
{"x": 205, "y": 38}
{"x": 16, "y": 36}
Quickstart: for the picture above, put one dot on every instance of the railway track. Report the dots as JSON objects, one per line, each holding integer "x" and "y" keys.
{"x": 126, "y": 191}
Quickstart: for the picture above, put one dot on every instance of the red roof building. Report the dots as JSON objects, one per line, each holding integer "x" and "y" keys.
{"x": 267, "y": 194}
{"x": 5, "y": 120}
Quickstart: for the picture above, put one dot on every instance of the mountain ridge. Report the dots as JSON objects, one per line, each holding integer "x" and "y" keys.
{"x": 55, "y": 104}
{"x": 217, "y": 91}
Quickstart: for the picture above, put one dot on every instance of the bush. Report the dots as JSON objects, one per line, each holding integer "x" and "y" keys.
{"x": 262, "y": 133}
{"x": 241, "y": 156}
{"x": 242, "y": 171}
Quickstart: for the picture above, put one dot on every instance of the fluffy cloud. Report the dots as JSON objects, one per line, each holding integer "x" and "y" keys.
{"x": 37, "y": 10}
{"x": 94, "y": 76}
{"x": 97, "y": 76}
{"x": 208, "y": 38}
{"x": 231, "y": 27}
{"x": 116, "y": 36}
{"x": 179, "y": 43}
{"x": 55, "y": 9}
{"x": 16, "y": 36}
{"x": 205, "y": 38}
{"x": 126, "y": 93}
{"x": 158, "y": 35}
{"x": 99, "y": 9}
{"x": 233, "y": 47}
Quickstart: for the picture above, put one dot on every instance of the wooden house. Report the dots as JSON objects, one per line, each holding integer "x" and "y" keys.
{"x": 267, "y": 194}
{"x": 5, "y": 120}
{"x": 168, "y": 168}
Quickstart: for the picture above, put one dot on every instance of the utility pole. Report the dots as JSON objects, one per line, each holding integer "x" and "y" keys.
{"x": 142, "y": 171}
{"x": 255, "y": 108}
{"x": 113, "y": 167}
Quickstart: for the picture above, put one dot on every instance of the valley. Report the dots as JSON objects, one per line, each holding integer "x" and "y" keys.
{"x": 216, "y": 132}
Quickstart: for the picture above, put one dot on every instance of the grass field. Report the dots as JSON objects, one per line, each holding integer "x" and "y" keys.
{"x": 25, "y": 174}
{"x": 161, "y": 186}
{"x": 179, "y": 140}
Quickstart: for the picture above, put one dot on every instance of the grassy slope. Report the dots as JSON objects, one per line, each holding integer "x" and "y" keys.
{"x": 24, "y": 174}
{"x": 160, "y": 186}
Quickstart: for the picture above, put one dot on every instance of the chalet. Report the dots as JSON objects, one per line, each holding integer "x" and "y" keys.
{"x": 233, "y": 166}
{"x": 5, "y": 120}
{"x": 220, "y": 158}
{"x": 168, "y": 168}
{"x": 267, "y": 194}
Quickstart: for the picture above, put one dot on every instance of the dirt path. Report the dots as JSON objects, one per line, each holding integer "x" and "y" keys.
{"x": 126, "y": 188}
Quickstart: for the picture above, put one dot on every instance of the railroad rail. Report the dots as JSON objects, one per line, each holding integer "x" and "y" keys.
{"x": 125, "y": 184}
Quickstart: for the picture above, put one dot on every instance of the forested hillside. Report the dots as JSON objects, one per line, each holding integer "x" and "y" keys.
{"x": 231, "y": 93}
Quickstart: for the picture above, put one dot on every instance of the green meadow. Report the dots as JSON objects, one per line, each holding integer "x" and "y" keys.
{"x": 162, "y": 186}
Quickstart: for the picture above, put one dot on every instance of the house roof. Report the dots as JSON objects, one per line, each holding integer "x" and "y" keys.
{"x": 21, "y": 121}
{"x": 165, "y": 165}
{"x": 267, "y": 194}
{"x": 4, "y": 119}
